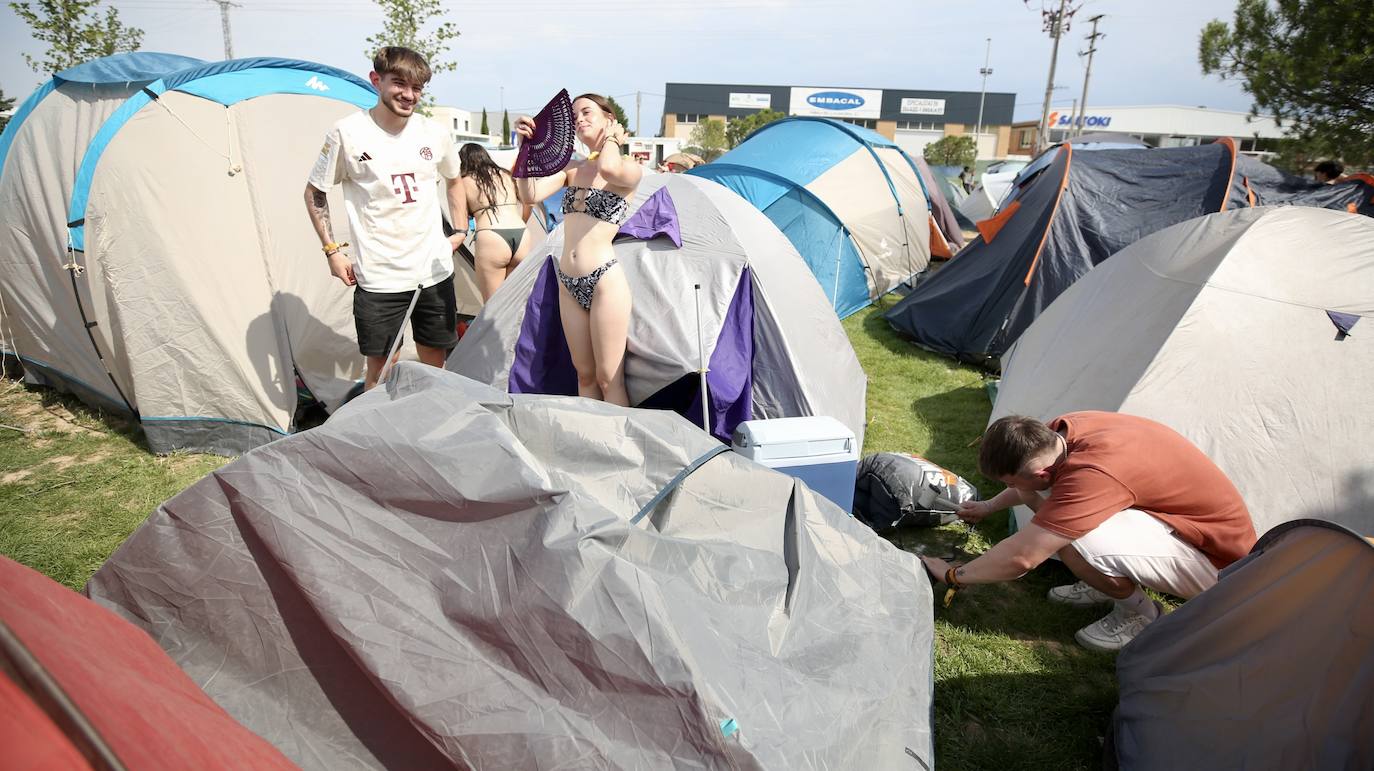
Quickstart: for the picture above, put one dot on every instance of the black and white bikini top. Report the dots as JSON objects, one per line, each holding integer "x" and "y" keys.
{"x": 602, "y": 204}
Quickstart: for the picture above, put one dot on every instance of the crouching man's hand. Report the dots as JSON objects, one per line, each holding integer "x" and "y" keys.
{"x": 974, "y": 512}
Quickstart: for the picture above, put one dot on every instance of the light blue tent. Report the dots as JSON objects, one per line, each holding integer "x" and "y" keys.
{"x": 155, "y": 256}
{"x": 849, "y": 199}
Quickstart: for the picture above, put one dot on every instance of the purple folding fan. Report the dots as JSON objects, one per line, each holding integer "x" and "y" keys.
{"x": 548, "y": 151}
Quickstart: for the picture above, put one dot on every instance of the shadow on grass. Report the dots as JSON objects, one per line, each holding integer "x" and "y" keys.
{"x": 1052, "y": 720}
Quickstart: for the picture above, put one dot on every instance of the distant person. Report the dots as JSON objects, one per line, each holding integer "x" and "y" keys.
{"x": 594, "y": 302}
{"x": 966, "y": 179}
{"x": 389, "y": 161}
{"x": 499, "y": 242}
{"x": 677, "y": 163}
{"x": 1124, "y": 501}
{"x": 1328, "y": 171}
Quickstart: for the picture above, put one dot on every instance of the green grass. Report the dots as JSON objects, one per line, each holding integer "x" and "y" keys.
{"x": 75, "y": 484}
{"x": 1012, "y": 689}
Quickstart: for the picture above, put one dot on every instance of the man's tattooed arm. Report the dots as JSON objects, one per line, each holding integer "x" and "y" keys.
{"x": 317, "y": 204}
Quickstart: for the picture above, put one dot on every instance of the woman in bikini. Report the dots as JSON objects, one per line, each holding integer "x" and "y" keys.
{"x": 498, "y": 218}
{"x": 594, "y": 302}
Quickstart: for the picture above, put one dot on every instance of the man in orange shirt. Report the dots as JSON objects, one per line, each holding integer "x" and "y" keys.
{"x": 1124, "y": 502}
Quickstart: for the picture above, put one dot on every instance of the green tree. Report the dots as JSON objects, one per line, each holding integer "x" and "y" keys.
{"x": 403, "y": 24}
{"x": 1310, "y": 63}
{"x": 505, "y": 126}
{"x": 485, "y": 130}
{"x": 74, "y": 32}
{"x": 952, "y": 151}
{"x": 739, "y": 129}
{"x": 707, "y": 139}
{"x": 5, "y": 106}
{"x": 619, "y": 112}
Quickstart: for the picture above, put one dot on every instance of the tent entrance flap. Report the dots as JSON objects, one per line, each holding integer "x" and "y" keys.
{"x": 543, "y": 365}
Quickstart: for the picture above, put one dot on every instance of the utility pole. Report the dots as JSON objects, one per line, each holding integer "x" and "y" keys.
{"x": 1087, "y": 72}
{"x": 1056, "y": 23}
{"x": 639, "y": 96}
{"x": 224, "y": 26}
{"x": 985, "y": 72}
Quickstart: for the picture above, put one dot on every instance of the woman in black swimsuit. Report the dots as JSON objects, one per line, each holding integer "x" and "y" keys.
{"x": 594, "y": 302}
{"x": 498, "y": 217}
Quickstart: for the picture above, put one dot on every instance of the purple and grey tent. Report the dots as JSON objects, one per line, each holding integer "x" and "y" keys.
{"x": 447, "y": 576}
{"x": 773, "y": 345}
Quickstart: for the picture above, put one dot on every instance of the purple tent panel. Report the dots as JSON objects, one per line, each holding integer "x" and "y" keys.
{"x": 657, "y": 217}
{"x": 1343, "y": 321}
{"x": 542, "y": 364}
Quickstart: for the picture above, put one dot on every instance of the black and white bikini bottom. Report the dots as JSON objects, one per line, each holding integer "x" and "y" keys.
{"x": 583, "y": 287}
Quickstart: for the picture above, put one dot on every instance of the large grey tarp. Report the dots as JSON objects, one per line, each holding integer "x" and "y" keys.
{"x": 444, "y": 575}
{"x": 1269, "y": 669}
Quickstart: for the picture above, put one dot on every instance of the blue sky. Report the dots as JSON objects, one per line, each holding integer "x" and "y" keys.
{"x": 522, "y": 53}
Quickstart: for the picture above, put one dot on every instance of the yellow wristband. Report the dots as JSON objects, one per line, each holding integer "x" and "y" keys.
{"x": 332, "y": 247}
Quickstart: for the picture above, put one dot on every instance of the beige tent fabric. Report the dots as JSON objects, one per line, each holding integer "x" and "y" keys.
{"x": 1217, "y": 327}
{"x": 313, "y": 310}
{"x": 179, "y": 251}
{"x": 40, "y": 318}
{"x": 893, "y": 247}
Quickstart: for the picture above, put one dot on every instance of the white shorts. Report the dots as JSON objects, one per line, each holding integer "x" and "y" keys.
{"x": 1132, "y": 544}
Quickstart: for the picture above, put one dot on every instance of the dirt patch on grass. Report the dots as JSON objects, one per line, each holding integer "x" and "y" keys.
{"x": 38, "y": 418}
{"x": 15, "y": 476}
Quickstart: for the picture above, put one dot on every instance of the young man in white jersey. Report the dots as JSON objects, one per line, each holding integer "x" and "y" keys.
{"x": 389, "y": 161}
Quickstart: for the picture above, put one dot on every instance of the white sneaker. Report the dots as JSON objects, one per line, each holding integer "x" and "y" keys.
{"x": 1113, "y": 631}
{"x": 1079, "y": 595}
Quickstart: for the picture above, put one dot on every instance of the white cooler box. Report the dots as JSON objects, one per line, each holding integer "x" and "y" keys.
{"x": 818, "y": 450}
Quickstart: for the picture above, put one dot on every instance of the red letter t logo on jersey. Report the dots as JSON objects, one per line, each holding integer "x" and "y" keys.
{"x": 406, "y": 186}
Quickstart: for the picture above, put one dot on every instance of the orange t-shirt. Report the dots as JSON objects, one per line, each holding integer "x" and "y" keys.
{"x": 1117, "y": 462}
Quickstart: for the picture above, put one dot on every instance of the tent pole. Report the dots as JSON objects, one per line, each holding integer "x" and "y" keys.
{"x": 701, "y": 365}
{"x": 396, "y": 344}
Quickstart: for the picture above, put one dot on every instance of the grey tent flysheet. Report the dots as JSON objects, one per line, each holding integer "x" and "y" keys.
{"x": 447, "y": 576}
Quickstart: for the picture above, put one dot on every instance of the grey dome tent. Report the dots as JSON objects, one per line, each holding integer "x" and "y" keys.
{"x": 1072, "y": 213}
{"x": 1212, "y": 328}
{"x": 192, "y": 299}
{"x": 444, "y": 575}
{"x": 773, "y": 345}
{"x": 1269, "y": 669}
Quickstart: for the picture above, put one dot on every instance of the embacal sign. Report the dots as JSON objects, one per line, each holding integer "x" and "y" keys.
{"x": 1064, "y": 121}
{"x": 837, "y": 103}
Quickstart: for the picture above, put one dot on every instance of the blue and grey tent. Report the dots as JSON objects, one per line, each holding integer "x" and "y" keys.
{"x": 848, "y": 199}
{"x": 171, "y": 277}
{"x": 40, "y": 150}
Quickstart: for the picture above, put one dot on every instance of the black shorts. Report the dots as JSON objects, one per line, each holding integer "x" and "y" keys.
{"x": 378, "y": 316}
